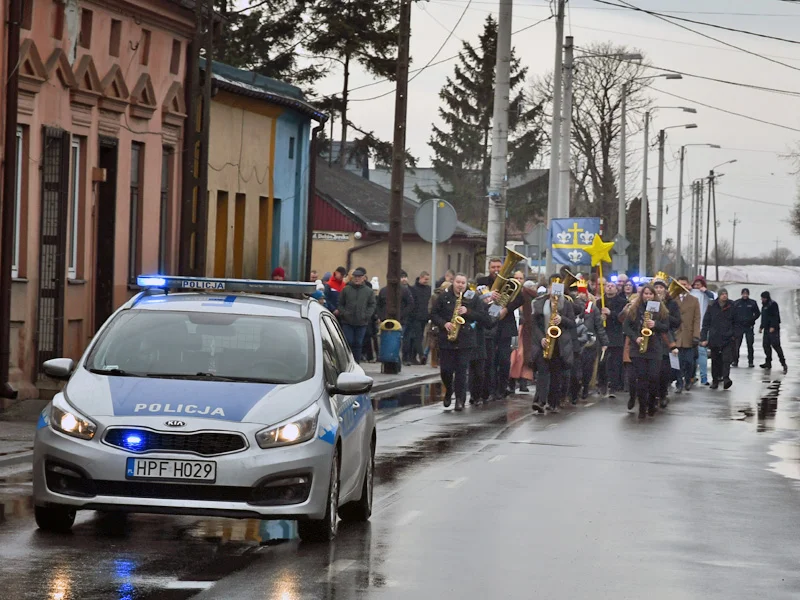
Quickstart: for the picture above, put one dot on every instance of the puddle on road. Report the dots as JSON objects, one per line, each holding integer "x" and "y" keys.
{"x": 423, "y": 395}
{"x": 788, "y": 451}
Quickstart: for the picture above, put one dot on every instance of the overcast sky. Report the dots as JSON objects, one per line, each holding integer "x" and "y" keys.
{"x": 759, "y": 188}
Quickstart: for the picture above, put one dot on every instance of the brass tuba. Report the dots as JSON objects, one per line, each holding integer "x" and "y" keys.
{"x": 457, "y": 321}
{"x": 676, "y": 289}
{"x": 505, "y": 284}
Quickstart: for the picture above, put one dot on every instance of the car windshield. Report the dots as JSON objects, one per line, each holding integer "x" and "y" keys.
{"x": 196, "y": 345}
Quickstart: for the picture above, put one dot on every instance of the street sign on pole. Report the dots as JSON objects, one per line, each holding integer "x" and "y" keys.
{"x": 435, "y": 222}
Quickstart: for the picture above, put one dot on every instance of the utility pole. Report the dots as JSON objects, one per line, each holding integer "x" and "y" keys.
{"x": 708, "y": 228}
{"x": 566, "y": 129}
{"x": 398, "y": 171}
{"x": 733, "y": 243}
{"x": 9, "y": 194}
{"x": 698, "y": 225}
{"x": 678, "y": 266}
{"x": 777, "y": 242}
{"x": 552, "y": 190}
{"x": 660, "y": 203}
{"x": 712, "y": 192}
{"x": 498, "y": 179}
{"x": 621, "y": 216}
{"x": 644, "y": 206}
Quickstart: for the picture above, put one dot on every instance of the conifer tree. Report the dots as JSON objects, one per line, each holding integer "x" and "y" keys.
{"x": 363, "y": 32}
{"x": 462, "y": 146}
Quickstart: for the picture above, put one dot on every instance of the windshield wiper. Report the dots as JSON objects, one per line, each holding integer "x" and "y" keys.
{"x": 115, "y": 371}
{"x": 200, "y": 375}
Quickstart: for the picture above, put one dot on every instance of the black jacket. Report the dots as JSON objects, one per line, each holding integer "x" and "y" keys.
{"x": 633, "y": 329}
{"x": 616, "y": 337}
{"x": 485, "y": 327}
{"x": 421, "y": 294}
{"x": 507, "y": 326}
{"x": 406, "y": 303}
{"x": 593, "y": 321}
{"x": 718, "y": 325}
{"x": 770, "y": 316}
{"x": 745, "y": 313}
{"x": 443, "y": 313}
{"x": 564, "y": 347}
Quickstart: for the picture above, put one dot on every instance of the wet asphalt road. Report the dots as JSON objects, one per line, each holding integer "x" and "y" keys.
{"x": 701, "y": 502}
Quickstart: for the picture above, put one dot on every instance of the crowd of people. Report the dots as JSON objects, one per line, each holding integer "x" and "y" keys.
{"x": 613, "y": 337}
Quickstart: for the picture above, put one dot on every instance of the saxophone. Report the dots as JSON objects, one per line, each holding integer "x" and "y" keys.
{"x": 457, "y": 321}
{"x": 646, "y": 333}
{"x": 553, "y": 330}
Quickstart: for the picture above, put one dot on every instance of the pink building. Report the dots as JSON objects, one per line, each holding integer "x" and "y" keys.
{"x": 101, "y": 115}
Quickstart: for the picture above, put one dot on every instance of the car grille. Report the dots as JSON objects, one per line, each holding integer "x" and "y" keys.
{"x": 202, "y": 443}
{"x": 260, "y": 496}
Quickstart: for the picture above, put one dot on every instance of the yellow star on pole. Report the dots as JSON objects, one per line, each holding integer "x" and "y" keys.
{"x": 599, "y": 250}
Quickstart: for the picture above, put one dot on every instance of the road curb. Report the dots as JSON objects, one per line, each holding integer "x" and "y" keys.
{"x": 16, "y": 458}
{"x": 393, "y": 385}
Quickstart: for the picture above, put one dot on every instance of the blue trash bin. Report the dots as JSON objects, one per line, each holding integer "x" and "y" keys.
{"x": 391, "y": 341}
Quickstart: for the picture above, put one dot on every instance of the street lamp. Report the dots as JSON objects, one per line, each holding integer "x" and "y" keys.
{"x": 566, "y": 118}
{"x": 623, "y": 173}
{"x": 644, "y": 207}
{"x": 660, "y": 204}
{"x": 712, "y": 199}
{"x": 680, "y": 199}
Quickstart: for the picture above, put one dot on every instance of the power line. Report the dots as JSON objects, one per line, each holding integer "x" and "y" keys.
{"x": 754, "y": 200}
{"x": 729, "y": 112}
{"x": 671, "y": 12}
{"x": 430, "y": 64}
{"x": 713, "y": 25}
{"x": 705, "y": 35}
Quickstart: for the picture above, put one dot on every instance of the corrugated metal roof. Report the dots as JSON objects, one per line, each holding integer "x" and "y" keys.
{"x": 368, "y": 203}
{"x": 254, "y": 85}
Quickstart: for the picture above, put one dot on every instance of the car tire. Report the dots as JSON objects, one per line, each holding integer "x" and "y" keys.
{"x": 324, "y": 530}
{"x": 360, "y": 510}
{"x": 54, "y": 518}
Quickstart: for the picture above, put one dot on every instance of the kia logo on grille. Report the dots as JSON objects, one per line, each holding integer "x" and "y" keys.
{"x": 175, "y": 423}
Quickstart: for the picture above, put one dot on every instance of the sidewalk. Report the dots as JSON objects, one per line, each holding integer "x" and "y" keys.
{"x": 408, "y": 376}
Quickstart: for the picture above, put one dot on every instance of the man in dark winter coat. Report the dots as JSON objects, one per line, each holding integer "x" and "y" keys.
{"x": 718, "y": 336}
{"x": 745, "y": 315}
{"x": 484, "y": 326}
{"x": 500, "y": 366}
{"x": 592, "y": 341}
{"x": 417, "y": 319}
{"x": 615, "y": 304}
{"x": 356, "y": 306}
{"x": 551, "y": 372}
{"x": 771, "y": 328}
{"x": 455, "y": 356}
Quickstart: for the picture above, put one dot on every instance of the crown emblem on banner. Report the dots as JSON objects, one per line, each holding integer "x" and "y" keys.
{"x": 587, "y": 237}
{"x": 563, "y": 237}
{"x": 575, "y": 256}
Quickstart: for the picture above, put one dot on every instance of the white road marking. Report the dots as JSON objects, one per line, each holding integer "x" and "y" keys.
{"x": 337, "y": 567}
{"x": 190, "y": 585}
{"x": 497, "y": 458}
{"x": 588, "y": 404}
{"x": 451, "y": 485}
{"x": 408, "y": 517}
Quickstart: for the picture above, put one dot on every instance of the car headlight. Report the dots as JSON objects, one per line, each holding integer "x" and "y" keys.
{"x": 66, "y": 419}
{"x": 296, "y": 430}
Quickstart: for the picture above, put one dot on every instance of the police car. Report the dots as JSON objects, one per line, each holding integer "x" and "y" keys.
{"x": 222, "y": 397}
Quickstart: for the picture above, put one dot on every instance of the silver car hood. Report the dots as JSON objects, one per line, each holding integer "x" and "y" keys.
{"x": 266, "y": 403}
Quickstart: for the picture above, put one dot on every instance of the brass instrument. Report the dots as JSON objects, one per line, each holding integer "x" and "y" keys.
{"x": 676, "y": 289}
{"x": 505, "y": 284}
{"x": 570, "y": 279}
{"x": 457, "y": 321}
{"x": 646, "y": 333}
{"x": 553, "y": 330}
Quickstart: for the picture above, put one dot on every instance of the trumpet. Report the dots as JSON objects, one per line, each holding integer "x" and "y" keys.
{"x": 553, "y": 331}
{"x": 646, "y": 333}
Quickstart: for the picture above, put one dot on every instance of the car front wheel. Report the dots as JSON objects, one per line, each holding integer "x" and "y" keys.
{"x": 324, "y": 530}
{"x": 360, "y": 510}
{"x": 54, "y": 518}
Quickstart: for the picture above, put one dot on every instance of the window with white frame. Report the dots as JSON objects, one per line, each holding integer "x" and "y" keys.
{"x": 17, "y": 206}
{"x": 74, "y": 209}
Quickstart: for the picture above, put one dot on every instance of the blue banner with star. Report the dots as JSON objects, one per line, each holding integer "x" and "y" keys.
{"x": 570, "y": 240}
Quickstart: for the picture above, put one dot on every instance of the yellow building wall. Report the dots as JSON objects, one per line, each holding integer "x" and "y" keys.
{"x": 241, "y": 161}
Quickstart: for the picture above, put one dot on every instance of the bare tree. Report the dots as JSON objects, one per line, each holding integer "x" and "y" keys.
{"x": 779, "y": 256}
{"x": 596, "y": 123}
{"x": 723, "y": 255}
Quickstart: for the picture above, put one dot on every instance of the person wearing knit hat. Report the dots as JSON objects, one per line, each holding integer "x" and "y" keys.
{"x": 278, "y": 274}
{"x": 718, "y": 336}
{"x": 771, "y": 328}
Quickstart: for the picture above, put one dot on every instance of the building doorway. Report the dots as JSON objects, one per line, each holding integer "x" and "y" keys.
{"x": 104, "y": 233}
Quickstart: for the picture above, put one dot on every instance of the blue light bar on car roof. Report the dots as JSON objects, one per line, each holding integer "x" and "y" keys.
{"x": 167, "y": 282}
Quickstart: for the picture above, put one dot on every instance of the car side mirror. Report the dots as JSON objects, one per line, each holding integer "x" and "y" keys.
{"x": 353, "y": 384}
{"x": 58, "y": 368}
